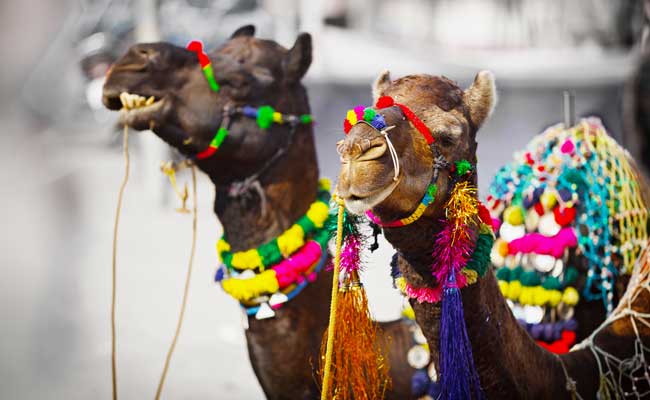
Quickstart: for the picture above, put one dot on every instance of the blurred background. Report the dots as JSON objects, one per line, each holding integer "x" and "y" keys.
{"x": 61, "y": 161}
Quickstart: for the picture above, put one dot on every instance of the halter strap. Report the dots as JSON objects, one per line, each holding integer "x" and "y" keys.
{"x": 387, "y": 101}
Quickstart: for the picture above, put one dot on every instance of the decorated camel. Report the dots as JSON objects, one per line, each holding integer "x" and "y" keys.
{"x": 409, "y": 164}
{"x": 242, "y": 116}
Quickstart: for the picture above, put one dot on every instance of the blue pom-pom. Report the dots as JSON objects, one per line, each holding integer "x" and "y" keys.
{"x": 419, "y": 383}
{"x": 219, "y": 275}
{"x": 249, "y": 111}
{"x": 434, "y": 390}
{"x": 378, "y": 122}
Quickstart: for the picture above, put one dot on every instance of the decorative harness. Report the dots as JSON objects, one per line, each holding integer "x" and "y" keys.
{"x": 265, "y": 278}
{"x": 265, "y": 116}
{"x": 461, "y": 254}
{"x": 370, "y": 117}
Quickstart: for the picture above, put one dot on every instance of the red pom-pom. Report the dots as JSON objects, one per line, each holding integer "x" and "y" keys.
{"x": 539, "y": 208}
{"x": 197, "y": 47}
{"x": 347, "y": 126}
{"x": 385, "y": 101}
{"x": 564, "y": 217}
{"x": 484, "y": 214}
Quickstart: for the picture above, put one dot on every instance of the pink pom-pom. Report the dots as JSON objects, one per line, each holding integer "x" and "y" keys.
{"x": 568, "y": 147}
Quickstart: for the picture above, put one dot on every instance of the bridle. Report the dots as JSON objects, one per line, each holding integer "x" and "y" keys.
{"x": 265, "y": 116}
{"x": 375, "y": 120}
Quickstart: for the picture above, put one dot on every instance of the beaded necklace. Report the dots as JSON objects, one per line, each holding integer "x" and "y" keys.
{"x": 264, "y": 278}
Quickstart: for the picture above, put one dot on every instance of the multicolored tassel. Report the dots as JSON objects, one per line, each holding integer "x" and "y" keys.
{"x": 459, "y": 378}
{"x": 358, "y": 366}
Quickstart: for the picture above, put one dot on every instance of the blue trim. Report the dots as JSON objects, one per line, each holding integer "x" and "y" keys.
{"x": 253, "y": 310}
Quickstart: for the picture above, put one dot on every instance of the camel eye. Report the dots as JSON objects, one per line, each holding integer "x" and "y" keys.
{"x": 445, "y": 139}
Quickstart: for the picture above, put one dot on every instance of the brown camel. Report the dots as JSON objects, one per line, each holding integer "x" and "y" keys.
{"x": 509, "y": 363}
{"x": 186, "y": 113}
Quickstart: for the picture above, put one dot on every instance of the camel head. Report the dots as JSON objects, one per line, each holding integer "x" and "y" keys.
{"x": 368, "y": 179}
{"x": 168, "y": 93}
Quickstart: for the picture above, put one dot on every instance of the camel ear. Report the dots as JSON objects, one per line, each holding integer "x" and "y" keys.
{"x": 381, "y": 83}
{"x": 246, "y": 30}
{"x": 481, "y": 97}
{"x": 298, "y": 59}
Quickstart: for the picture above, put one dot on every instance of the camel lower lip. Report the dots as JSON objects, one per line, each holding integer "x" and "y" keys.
{"x": 140, "y": 115}
{"x": 359, "y": 205}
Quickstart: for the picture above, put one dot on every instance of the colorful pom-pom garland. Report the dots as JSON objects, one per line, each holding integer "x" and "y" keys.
{"x": 285, "y": 264}
{"x": 284, "y": 245}
{"x": 375, "y": 119}
{"x": 571, "y": 188}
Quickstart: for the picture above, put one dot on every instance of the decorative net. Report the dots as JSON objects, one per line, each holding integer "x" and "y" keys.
{"x": 629, "y": 377}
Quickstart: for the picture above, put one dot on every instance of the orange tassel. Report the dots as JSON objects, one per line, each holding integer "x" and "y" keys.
{"x": 359, "y": 367}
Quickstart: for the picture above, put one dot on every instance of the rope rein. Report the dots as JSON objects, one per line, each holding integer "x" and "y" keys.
{"x": 186, "y": 290}
{"x": 118, "y": 210}
{"x": 335, "y": 290}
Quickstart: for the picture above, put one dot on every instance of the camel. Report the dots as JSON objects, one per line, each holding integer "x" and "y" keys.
{"x": 427, "y": 135}
{"x": 264, "y": 178}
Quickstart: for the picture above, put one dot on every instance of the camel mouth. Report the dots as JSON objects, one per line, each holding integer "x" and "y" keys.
{"x": 360, "y": 203}
{"x": 136, "y": 110}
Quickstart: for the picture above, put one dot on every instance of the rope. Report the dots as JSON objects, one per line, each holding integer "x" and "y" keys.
{"x": 188, "y": 278}
{"x": 393, "y": 152}
{"x": 335, "y": 290}
{"x": 127, "y": 166}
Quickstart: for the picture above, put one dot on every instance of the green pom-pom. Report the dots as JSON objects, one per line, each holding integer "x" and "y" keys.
{"x": 530, "y": 278}
{"x": 306, "y": 119}
{"x": 570, "y": 276}
{"x": 481, "y": 257}
{"x": 516, "y": 272}
{"x": 369, "y": 114}
{"x": 503, "y": 274}
{"x": 270, "y": 253}
{"x": 265, "y": 116}
{"x": 463, "y": 167}
{"x": 551, "y": 283}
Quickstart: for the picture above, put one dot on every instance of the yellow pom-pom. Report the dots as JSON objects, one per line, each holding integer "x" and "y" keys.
{"x": 325, "y": 184}
{"x": 351, "y": 116}
{"x": 514, "y": 215}
{"x": 222, "y": 246}
{"x": 291, "y": 240}
{"x": 570, "y": 296}
{"x": 247, "y": 289}
{"x": 277, "y": 117}
{"x": 527, "y": 296}
{"x": 540, "y": 295}
{"x": 501, "y": 247}
{"x": 514, "y": 290}
{"x": 503, "y": 286}
{"x": 548, "y": 200}
{"x": 248, "y": 259}
{"x": 408, "y": 312}
{"x": 318, "y": 213}
{"x": 554, "y": 297}
{"x": 470, "y": 275}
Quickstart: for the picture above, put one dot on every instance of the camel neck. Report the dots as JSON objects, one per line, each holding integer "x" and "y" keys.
{"x": 510, "y": 364}
{"x": 279, "y": 197}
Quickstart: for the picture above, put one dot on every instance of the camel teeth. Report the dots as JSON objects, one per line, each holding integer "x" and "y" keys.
{"x": 132, "y": 101}
{"x": 124, "y": 99}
